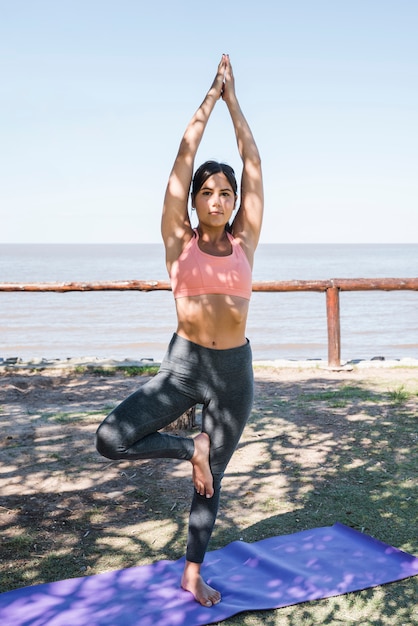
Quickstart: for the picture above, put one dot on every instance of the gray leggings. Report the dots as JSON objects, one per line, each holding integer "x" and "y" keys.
{"x": 220, "y": 380}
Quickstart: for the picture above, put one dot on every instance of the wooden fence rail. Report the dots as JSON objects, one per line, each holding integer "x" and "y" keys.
{"x": 331, "y": 287}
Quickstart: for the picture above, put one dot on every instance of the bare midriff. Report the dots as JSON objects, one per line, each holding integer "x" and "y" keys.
{"x": 213, "y": 321}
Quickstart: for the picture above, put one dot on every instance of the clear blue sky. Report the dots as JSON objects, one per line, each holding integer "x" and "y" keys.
{"x": 95, "y": 95}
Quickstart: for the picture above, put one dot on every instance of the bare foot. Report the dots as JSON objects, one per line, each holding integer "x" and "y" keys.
{"x": 202, "y": 475}
{"x": 193, "y": 582}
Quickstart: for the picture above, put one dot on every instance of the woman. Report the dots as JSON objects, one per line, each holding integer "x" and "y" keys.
{"x": 209, "y": 358}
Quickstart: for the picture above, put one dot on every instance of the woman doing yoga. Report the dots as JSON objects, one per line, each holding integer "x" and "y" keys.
{"x": 208, "y": 360}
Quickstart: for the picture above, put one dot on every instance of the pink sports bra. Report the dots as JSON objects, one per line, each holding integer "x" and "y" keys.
{"x": 197, "y": 273}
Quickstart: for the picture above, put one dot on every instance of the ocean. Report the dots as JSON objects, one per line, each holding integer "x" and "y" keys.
{"x": 135, "y": 325}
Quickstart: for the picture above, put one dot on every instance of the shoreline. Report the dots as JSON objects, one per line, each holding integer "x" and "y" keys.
{"x": 16, "y": 364}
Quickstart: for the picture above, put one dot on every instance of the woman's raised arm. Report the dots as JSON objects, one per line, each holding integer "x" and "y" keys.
{"x": 175, "y": 223}
{"x": 247, "y": 222}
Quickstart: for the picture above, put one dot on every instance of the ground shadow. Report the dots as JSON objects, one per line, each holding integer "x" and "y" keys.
{"x": 324, "y": 449}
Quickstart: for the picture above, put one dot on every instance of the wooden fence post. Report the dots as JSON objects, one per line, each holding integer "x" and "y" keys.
{"x": 334, "y": 329}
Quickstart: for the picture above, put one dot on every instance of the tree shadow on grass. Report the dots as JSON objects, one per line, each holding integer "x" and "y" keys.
{"x": 312, "y": 454}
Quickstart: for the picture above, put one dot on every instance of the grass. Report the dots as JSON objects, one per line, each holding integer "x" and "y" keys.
{"x": 399, "y": 395}
{"x": 313, "y": 453}
{"x": 65, "y": 417}
{"x": 341, "y": 397}
{"x": 127, "y": 370}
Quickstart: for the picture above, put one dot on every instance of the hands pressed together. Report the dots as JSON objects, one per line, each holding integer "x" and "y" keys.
{"x": 224, "y": 83}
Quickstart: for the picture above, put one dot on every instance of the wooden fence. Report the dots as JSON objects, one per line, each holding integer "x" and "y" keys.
{"x": 331, "y": 287}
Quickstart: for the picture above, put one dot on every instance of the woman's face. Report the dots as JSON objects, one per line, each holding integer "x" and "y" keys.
{"x": 215, "y": 201}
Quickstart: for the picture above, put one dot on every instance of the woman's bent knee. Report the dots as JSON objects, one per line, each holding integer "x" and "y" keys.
{"x": 106, "y": 442}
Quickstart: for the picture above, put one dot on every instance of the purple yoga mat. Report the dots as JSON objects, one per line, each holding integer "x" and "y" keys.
{"x": 269, "y": 574}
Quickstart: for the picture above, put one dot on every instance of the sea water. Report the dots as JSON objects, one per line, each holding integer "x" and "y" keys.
{"x": 137, "y": 325}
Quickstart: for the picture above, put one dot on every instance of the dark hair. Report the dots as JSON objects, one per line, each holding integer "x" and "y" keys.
{"x": 209, "y": 168}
